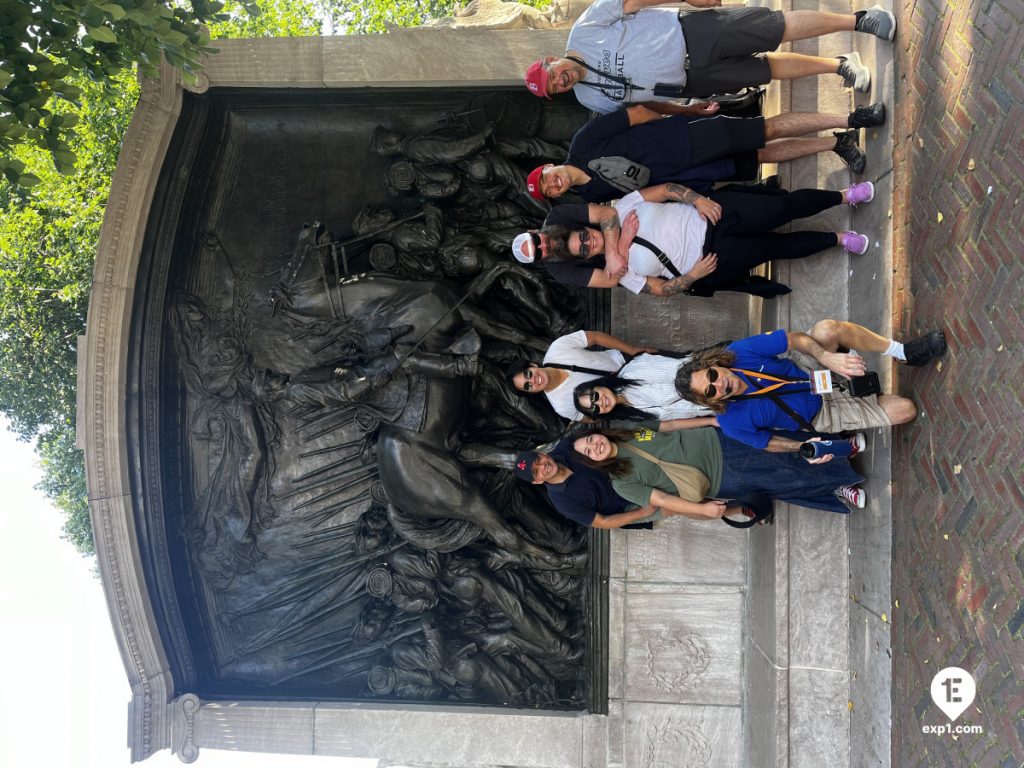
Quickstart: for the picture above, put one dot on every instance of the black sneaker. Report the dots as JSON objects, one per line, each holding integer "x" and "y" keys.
{"x": 867, "y": 117}
{"x": 847, "y": 149}
{"x": 877, "y": 21}
{"x": 921, "y": 351}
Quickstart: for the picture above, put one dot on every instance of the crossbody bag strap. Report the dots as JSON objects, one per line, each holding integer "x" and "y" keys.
{"x": 776, "y": 397}
{"x": 641, "y": 453}
{"x": 690, "y": 483}
{"x": 618, "y": 79}
{"x": 580, "y": 369}
{"x": 659, "y": 253}
{"x": 793, "y": 414}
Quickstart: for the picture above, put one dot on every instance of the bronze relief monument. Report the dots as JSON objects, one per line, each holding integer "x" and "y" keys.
{"x": 298, "y": 436}
{"x": 341, "y": 521}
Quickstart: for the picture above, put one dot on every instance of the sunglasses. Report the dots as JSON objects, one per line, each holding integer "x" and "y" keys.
{"x": 587, "y": 402}
{"x": 527, "y": 377}
{"x": 711, "y": 390}
{"x": 584, "y": 236}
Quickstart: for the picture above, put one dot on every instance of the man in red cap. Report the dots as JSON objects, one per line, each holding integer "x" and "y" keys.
{"x": 626, "y": 52}
{"x": 636, "y": 147}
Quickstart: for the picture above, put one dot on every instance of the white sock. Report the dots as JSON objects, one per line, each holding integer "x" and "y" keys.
{"x": 896, "y": 350}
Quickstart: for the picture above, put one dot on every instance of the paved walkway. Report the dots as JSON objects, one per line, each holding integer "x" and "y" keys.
{"x": 958, "y": 472}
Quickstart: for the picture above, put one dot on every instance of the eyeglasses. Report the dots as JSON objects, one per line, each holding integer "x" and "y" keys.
{"x": 535, "y": 237}
{"x": 710, "y": 390}
{"x": 584, "y": 236}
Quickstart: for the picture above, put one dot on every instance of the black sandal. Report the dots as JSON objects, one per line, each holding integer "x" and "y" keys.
{"x": 920, "y": 351}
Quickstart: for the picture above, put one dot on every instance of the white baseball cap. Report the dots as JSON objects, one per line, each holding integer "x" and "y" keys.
{"x": 524, "y": 247}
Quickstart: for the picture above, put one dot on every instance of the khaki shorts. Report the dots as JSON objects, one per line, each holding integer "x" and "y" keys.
{"x": 840, "y": 412}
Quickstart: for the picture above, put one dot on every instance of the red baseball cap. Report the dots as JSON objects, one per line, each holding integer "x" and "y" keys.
{"x": 533, "y": 183}
{"x": 537, "y": 80}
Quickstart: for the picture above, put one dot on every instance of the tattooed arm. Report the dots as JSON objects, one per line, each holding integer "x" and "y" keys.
{"x": 616, "y": 239}
{"x": 671, "y": 108}
{"x": 708, "y": 209}
{"x": 661, "y": 287}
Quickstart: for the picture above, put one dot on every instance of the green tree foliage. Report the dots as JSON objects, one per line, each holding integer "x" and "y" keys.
{"x": 48, "y": 241}
{"x": 46, "y": 46}
{"x": 369, "y": 16}
{"x": 354, "y": 16}
{"x": 273, "y": 18}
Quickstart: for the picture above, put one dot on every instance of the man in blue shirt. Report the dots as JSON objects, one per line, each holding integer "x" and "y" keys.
{"x": 578, "y": 492}
{"x": 756, "y": 391}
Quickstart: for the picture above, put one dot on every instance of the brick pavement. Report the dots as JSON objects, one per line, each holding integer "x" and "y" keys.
{"x": 958, "y": 472}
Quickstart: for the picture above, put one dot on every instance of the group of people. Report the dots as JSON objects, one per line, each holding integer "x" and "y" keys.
{"x": 634, "y": 63}
{"x": 712, "y": 433}
{"x": 727, "y": 429}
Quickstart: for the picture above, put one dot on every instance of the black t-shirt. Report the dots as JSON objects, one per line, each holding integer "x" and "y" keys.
{"x": 572, "y": 215}
{"x": 661, "y": 145}
{"x": 587, "y": 493}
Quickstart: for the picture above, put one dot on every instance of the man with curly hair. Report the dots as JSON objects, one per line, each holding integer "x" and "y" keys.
{"x": 756, "y": 390}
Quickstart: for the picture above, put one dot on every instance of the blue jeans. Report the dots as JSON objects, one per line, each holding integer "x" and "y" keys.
{"x": 783, "y": 476}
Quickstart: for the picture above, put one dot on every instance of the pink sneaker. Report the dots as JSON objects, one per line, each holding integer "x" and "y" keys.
{"x": 854, "y": 243}
{"x": 853, "y": 495}
{"x": 858, "y": 443}
{"x": 860, "y": 193}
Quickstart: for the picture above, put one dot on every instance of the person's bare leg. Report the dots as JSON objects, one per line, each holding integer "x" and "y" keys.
{"x": 832, "y": 334}
{"x": 780, "y": 150}
{"x": 900, "y": 410}
{"x": 789, "y": 66}
{"x": 800, "y": 123}
{"x": 801, "y": 25}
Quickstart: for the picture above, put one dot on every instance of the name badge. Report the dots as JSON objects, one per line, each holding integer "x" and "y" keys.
{"x": 822, "y": 382}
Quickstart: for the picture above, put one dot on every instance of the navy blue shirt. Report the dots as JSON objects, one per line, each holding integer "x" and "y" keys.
{"x": 751, "y": 420}
{"x": 662, "y": 145}
{"x": 586, "y": 493}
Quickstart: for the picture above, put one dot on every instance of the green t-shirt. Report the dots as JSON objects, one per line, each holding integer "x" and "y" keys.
{"x": 697, "y": 448}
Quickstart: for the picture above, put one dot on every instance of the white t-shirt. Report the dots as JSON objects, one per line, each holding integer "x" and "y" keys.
{"x": 647, "y": 47}
{"x": 656, "y": 393}
{"x": 572, "y": 350}
{"x": 675, "y": 228}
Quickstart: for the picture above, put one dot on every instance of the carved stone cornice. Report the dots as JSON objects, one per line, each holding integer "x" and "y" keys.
{"x": 101, "y": 411}
{"x": 183, "y": 727}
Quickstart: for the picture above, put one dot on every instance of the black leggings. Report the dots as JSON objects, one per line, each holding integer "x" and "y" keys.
{"x": 743, "y": 238}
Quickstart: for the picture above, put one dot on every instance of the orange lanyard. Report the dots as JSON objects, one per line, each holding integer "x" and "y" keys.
{"x": 767, "y": 377}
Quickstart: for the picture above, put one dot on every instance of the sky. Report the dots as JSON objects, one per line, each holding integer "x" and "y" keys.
{"x": 65, "y": 700}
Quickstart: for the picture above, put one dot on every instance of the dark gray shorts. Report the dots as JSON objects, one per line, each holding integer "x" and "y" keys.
{"x": 726, "y": 47}
{"x": 720, "y": 136}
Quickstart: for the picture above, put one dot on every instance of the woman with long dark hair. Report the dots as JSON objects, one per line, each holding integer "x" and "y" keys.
{"x": 698, "y": 472}
{"x": 643, "y": 389}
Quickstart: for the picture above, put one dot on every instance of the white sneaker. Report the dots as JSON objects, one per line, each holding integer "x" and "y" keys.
{"x": 854, "y": 73}
{"x": 852, "y": 495}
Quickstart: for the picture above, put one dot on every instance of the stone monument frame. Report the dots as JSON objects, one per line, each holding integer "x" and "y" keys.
{"x": 157, "y": 719}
